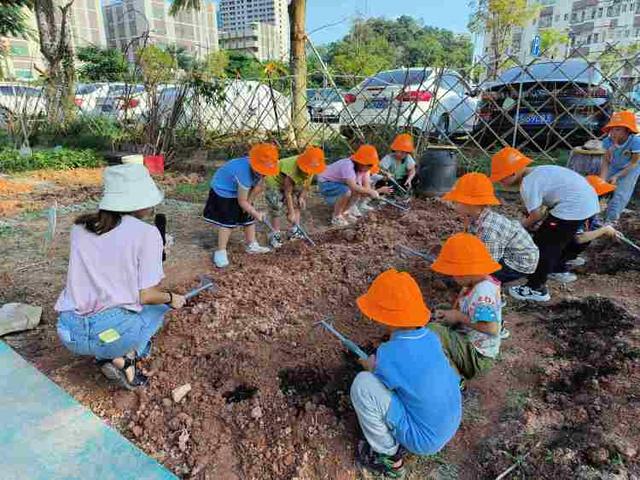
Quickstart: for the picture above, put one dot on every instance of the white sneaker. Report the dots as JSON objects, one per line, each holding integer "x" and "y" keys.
{"x": 255, "y": 248}
{"x": 339, "y": 221}
{"x": 563, "y": 277}
{"x": 504, "y": 333}
{"x": 354, "y": 211}
{"x": 220, "y": 258}
{"x": 364, "y": 206}
{"x": 275, "y": 240}
{"x": 577, "y": 262}
{"x": 523, "y": 292}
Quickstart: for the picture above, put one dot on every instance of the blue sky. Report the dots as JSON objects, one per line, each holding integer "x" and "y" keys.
{"x": 449, "y": 14}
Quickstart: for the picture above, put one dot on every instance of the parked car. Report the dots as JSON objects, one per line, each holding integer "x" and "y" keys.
{"x": 239, "y": 106}
{"x": 631, "y": 99}
{"x": 412, "y": 98}
{"x": 122, "y": 101}
{"x": 324, "y": 104}
{"x": 19, "y": 101}
{"x": 561, "y": 101}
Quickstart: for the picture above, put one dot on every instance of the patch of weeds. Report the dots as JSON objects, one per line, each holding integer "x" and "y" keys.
{"x": 472, "y": 410}
{"x": 432, "y": 467}
{"x": 195, "y": 193}
{"x": 515, "y": 403}
{"x": 6, "y": 230}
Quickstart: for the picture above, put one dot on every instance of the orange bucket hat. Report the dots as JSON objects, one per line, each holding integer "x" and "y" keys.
{"x": 625, "y": 118}
{"x": 403, "y": 143}
{"x": 394, "y": 298}
{"x": 507, "y": 162}
{"x": 366, "y": 155}
{"x": 263, "y": 158}
{"x": 599, "y": 185}
{"x": 375, "y": 169}
{"x": 473, "y": 189}
{"x": 311, "y": 161}
{"x": 464, "y": 254}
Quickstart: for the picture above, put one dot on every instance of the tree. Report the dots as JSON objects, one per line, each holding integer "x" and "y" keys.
{"x": 56, "y": 47}
{"x": 101, "y": 64}
{"x": 157, "y": 65}
{"x": 13, "y": 19}
{"x": 182, "y": 57}
{"x": 243, "y": 65}
{"x": 299, "y": 114}
{"x": 551, "y": 39}
{"x": 216, "y": 63}
{"x": 497, "y": 19}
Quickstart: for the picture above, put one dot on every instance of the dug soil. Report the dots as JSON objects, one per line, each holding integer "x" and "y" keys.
{"x": 269, "y": 392}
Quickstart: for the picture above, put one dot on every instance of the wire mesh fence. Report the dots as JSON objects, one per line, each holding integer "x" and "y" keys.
{"x": 545, "y": 106}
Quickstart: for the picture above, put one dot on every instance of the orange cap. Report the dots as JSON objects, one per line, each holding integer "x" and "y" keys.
{"x": 599, "y": 185}
{"x": 403, "y": 143}
{"x": 394, "y": 298}
{"x": 263, "y": 158}
{"x": 473, "y": 189}
{"x": 625, "y": 118}
{"x": 375, "y": 169}
{"x": 464, "y": 254}
{"x": 366, "y": 155}
{"x": 311, "y": 161}
{"x": 507, "y": 162}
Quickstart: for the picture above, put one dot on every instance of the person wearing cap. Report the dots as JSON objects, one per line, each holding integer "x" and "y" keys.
{"x": 556, "y": 196}
{"x": 408, "y": 399}
{"x": 507, "y": 240}
{"x": 233, "y": 188}
{"x": 111, "y": 305}
{"x": 471, "y": 333}
{"x": 620, "y": 165}
{"x": 399, "y": 164}
{"x": 590, "y": 230}
{"x": 287, "y": 191}
{"x": 347, "y": 181}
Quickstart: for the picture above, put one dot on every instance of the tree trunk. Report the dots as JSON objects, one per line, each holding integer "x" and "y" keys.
{"x": 57, "y": 49}
{"x": 299, "y": 114}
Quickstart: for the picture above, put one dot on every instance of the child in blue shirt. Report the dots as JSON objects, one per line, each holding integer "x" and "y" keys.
{"x": 620, "y": 165}
{"x": 409, "y": 398}
{"x": 230, "y": 202}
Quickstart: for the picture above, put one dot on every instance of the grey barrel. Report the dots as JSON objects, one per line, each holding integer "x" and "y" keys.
{"x": 437, "y": 169}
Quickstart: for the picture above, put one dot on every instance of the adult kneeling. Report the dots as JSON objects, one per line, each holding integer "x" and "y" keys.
{"x": 111, "y": 305}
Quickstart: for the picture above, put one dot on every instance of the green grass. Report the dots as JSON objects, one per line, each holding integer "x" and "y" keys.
{"x": 57, "y": 159}
{"x": 192, "y": 193}
{"x": 516, "y": 401}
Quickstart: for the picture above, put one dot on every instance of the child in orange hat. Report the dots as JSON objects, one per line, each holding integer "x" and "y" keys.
{"x": 346, "y": 181}
{"x": 399, "y": 164}
{"x": 409, "y": 397}
{"x": 470, "y": 334}
{"x": 287, "y": 191}
{"x": 559, "y": 197}
{"x": 620, "y": 166}
{"x": 591, "y": 230}
{"x": 230, "y": 203}
{"x": 507, "y": 240}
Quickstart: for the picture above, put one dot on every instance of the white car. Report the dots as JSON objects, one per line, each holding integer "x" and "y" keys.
{"x": 324, "y": 105}
{"x": 412, "y": 98}
{"x": 122, "y": 101}
{"x": 19, "y": 101}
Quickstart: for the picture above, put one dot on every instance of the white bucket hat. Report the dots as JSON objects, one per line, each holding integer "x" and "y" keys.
{"x": 129, "y": 188}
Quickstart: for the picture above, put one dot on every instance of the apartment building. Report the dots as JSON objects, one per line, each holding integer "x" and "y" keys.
{"x": 131, "y": 23}
{"x": 24, "y": 58}
{"x": 238, "y": 19}
{"x": 590, "y": 25}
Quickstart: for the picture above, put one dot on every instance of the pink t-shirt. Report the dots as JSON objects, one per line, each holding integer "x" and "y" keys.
{"x": 109, "y": 270}
{"x": 341, "y": 171}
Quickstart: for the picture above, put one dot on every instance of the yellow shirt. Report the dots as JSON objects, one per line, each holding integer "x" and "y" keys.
{"x": 289, "y": 167}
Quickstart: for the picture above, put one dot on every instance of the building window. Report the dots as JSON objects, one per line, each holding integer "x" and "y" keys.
{"x": 574, "y": 16}
{"x": 588, "y": 39}
{"x": 624, "y": 9}
{"x": 595, "y": 38}
{"x": 19, "y": 51}
{"x": 24, "y": 73}
{"x": 582, "y": 16}
{"x": 593, "y": 13}
{"x": 566, "y": 17}
{"x": 600, "y": 11}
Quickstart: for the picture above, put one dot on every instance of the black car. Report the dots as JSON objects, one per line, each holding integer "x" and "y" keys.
{"x": 553, "y": 103}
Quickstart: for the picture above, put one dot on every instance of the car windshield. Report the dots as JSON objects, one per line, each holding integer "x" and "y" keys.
{"x": 86, "y": 89}
{"x": 574, "y": 71}
{"x": 19, "y": 90}
{"x": 323, "y": 94}
{"x": 125, "y": 89}
{"x": 411, "y": 76}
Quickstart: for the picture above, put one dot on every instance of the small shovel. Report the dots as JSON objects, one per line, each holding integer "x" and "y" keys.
{"x": 305, "y": 234}
{"x": 624, "y": 239}
{"x": 349, "y": 344}
{"x": 394, "y": 204}
{"x": 393, "y": 180}
{"x": 404, "y": 251}
{"x": 265, "y": 221}
{"x": 206, "y": 283}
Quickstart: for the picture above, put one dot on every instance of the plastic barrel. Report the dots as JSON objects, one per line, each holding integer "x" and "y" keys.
{"x": 437, "y": 170}
{"x": 155, "y": 164}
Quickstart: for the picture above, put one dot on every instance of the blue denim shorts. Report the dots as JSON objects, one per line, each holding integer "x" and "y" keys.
{"x": 81, "y": 334}
{"x": 332, "y": 191}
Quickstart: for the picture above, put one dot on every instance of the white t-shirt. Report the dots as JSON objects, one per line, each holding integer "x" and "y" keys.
{"x": 566, "y": 194}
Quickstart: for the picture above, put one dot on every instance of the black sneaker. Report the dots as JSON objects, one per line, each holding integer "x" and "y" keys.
{"x": 379, "y": 463}
{"x": 523, "y": 292}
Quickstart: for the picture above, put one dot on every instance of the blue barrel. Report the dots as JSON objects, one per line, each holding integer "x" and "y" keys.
{"x": 437, "y": 169}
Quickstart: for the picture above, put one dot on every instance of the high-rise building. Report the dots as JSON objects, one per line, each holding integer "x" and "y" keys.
{"x": 239, "y": 16}
{"x": 261, "y": 40}
{"x": 131, "y": 23}
{"x": 87, "y": 28}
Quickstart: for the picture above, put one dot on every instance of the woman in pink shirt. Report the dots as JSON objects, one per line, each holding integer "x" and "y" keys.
{"x": 111, "y": 305}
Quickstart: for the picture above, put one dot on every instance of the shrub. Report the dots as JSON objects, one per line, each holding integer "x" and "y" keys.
{"x": 57, "y": 159}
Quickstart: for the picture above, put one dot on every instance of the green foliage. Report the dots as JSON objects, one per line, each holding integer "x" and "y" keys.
{"x": 243, "y": 65}
{"x": 157, "y": 65}
{"x": 58, "y": 159}
{"x": 214, "y": 65}
{"x": 101, "y": 64}
{"x": 13, "y": 19}
{"x": 550, "y": 41}
{"x": 183, "y": 59}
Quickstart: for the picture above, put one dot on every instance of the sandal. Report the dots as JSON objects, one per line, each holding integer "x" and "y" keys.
{"x": 119, "y": 376}
{"x": 380, "y": 463}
